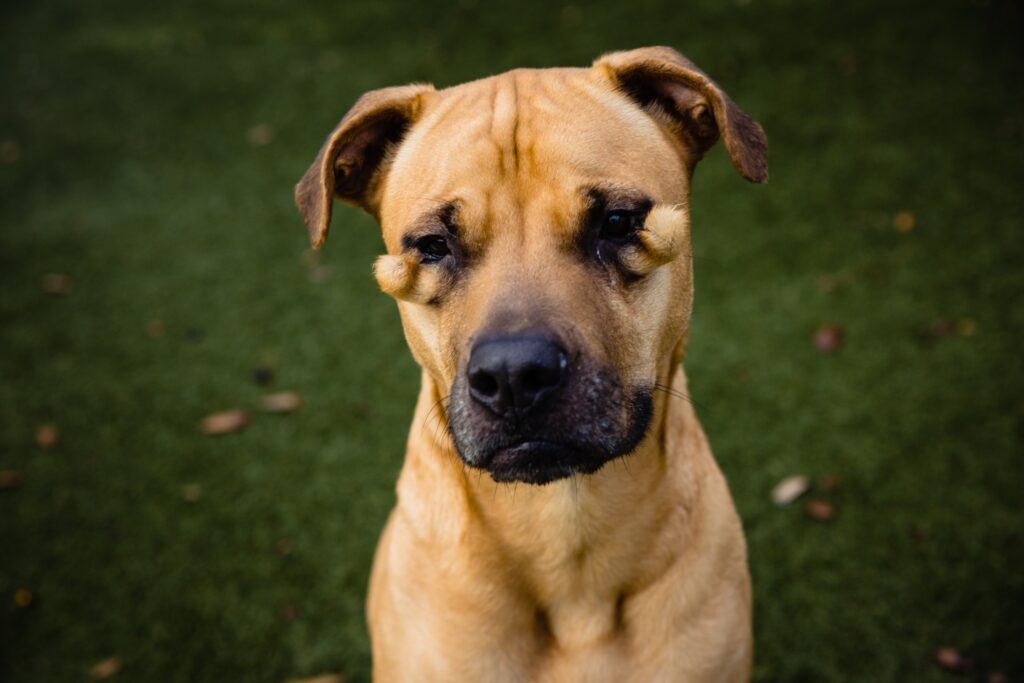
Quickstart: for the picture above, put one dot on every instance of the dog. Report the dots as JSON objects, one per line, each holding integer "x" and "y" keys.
{"x": 560, "y": 516}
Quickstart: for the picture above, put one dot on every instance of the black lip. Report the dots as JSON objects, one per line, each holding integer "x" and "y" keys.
{"x": 540, "y": 462}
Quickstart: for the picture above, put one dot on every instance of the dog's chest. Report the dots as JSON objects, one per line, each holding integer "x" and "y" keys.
{"x": 584, "y": 622}
{"x": 568, "y": 553}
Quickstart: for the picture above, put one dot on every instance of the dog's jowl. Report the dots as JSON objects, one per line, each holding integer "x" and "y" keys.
{"x": 560, "y": 516}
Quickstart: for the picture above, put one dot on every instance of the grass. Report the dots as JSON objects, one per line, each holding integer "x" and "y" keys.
{"x": 128, "y": 165}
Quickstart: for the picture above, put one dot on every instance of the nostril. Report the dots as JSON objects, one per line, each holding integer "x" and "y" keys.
{"x": 483, "y": 383}
{"x": 536, "y": 378}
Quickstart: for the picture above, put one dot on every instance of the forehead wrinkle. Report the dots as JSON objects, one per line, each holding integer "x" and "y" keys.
{"x": 505, "y": 205}
{"x": 549, "y": 212}
{"x": 505, "y": 120}
{"x": 497, "y": 215}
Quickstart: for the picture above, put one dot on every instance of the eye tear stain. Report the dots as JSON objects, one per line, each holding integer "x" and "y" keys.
{"x": 662, "y": 239}
{"x": 404, "y": 277}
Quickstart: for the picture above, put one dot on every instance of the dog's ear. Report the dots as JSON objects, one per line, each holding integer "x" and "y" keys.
{"x": 350, "y": 162}
{"x": 667, "y": 84}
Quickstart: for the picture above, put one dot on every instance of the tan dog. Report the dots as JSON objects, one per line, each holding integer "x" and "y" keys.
{"x": 537, "y": 231}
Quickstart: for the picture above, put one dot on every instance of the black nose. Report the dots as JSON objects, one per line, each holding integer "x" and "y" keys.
{"x": 513, "y": 374}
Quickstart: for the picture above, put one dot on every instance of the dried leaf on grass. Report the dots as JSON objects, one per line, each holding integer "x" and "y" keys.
{"x": 829, "y": 282}
{"x": 942, "y": 327}
{"x": 47, "y": 436}
{"x": 10, "y": 152}
{"x": 56, "y": 283}
{"x": 919, "y": 534}
{"x": 951, "y": 659}
{"x": 789, "y": 489}
{"x": 904, "y": 221}
{"x": 966, "y": 327}
{"x": 259, "y": 135}
{"x": 224, "y": 422}
{"x": 820, "y": 510}
{"x": 11, "y": 479}
{"x": 281, "y": 402}
{"x": 962, "y": 327}
{"x": 105, "y": 668}
{"x": 829, "y": 338}
{"x": 155, "y": 329}
{"x": 192, "y": 492}
{"x": 828, "y": 483}
{"x": 23, "y": 597}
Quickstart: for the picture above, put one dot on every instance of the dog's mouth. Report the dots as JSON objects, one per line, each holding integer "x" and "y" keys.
{"x": 578, "y": 431}
{"x": 541, "y": 462}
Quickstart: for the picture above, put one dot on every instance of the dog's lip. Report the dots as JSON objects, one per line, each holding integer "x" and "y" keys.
{"x": 529, "y": 448}
{"x": 540, "y": 462}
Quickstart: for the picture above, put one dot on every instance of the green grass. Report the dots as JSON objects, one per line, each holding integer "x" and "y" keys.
{"x": 134, "y": 175}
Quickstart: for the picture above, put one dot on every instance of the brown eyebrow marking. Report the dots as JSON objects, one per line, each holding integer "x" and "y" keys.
{"x": 444, "y": 215}
{"x": 615, "y": 197}
{"x": 601, "y": 198}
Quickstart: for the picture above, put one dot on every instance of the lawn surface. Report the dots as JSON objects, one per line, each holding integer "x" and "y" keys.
{"x": 148, "y": 152}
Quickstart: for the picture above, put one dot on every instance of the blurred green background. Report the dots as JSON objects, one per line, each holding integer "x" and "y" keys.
{"x": 148, "y": 153}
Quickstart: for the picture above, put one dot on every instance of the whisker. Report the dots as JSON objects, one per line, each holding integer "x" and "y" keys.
{"x": 625, "y": 465}
{"x": 437, "y": 429}
{"x": 437, "y": 404}
{"x": 680, "y": 395}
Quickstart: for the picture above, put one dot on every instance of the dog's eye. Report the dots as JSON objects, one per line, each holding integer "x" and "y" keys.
{"x": 619, "y": 224}
{"x": 433, "y": 248}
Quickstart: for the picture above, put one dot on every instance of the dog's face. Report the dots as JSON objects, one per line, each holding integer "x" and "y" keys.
{"x": 538, "y": 243}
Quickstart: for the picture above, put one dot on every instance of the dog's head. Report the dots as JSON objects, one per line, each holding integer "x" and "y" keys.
{"x": 537, "y": 230}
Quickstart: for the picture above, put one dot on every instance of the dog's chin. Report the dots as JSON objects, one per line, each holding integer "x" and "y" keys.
{"x": 541, "y": 462}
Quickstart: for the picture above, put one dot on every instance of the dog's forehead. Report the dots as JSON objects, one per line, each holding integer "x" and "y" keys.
{"x": 530, "y": 140}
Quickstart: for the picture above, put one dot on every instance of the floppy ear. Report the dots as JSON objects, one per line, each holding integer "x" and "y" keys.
{"x": 350, "y": 162}
{"x": 666, "y": 83}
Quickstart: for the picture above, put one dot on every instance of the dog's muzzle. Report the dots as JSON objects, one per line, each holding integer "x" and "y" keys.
{"x": 525, "y": 409}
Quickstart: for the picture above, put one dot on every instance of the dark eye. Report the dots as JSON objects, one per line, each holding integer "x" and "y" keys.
{"x": 619, "y": 224}
{"x": 433, "y": 247}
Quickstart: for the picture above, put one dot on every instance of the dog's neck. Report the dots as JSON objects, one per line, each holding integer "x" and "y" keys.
{"x": 557, "y": 538}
